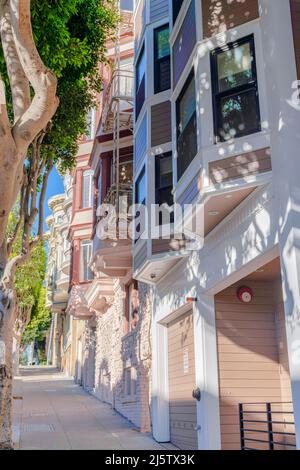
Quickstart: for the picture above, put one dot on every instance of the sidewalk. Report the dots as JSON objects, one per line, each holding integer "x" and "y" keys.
{"x": 56, "y": 414}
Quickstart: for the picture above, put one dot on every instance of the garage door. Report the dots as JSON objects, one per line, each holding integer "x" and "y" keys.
{"x": 181, "y": 359}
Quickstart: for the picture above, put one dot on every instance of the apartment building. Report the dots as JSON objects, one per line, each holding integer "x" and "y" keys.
{"x": 217, "y": 129}
{"x": 101, "y": 334}
{"x": 122, "y": 306}
{"x": 58, "y": 276}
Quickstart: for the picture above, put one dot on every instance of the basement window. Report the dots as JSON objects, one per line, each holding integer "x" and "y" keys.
{"x": 130, "y": 382}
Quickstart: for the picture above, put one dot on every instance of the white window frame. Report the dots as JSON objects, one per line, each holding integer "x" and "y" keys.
{"x": 85, "y": 270}
{"x": 87, "y": 199}
{"x": 91, "y": 121}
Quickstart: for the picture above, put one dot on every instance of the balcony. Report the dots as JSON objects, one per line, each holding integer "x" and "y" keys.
{"x": 119, "y": 93}
{"x": 62, "y": 283}
{"x": 112, "y": 257}
{"x": 112, "y": 247}
{"x": 113, "y": 194}
{"x": 100, "y": 294}
{"x": 66, "y": 262}
{"x": 77, "y": 305}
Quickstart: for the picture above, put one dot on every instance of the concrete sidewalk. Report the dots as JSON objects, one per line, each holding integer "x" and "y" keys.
{"x": 56, "y": 414}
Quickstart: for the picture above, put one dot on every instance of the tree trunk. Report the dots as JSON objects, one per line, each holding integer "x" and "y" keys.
{"x": 7, "y": 309}
{"x": 16, "y": 355}
{"x": 22, "y": 316}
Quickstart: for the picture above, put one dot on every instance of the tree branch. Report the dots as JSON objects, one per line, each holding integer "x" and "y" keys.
{"x": 11, "y": 240}
{"x": 42, "y": 199}
{"x": 42, "y": 80}
{"x": 5, "y": 129}
{"x": 20, "y": 89}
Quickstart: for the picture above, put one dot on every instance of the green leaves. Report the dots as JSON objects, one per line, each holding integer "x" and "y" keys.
{"x": 71, "y": 37}
{"x": 40, "y": 320}
{"x": 73, "y": 52}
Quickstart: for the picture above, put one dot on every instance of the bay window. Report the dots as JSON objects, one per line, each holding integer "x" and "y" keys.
{"x": 235, "y": 90}
{"x": 162, "y": 70}
{"x": 186, "y": 126}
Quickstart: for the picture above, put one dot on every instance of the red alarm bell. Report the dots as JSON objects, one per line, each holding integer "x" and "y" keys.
{"x": 245, "y": 294}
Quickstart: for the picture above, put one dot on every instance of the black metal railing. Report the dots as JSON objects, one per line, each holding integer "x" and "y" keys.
{"x": 267, "y": 426}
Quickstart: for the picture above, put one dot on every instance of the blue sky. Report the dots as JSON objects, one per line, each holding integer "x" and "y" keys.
{"x": 127, "y": 4}
{"x": 55, "y": 186}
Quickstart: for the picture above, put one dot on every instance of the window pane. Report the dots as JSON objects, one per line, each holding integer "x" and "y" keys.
{"x": 166, "y": 172}
{"x": 186, "y": 147}
{"x": 239, "y": 115}
{"x": 127, "y": 382}
{"x": 126, "y": 173}
{"x": 235, "y": 67}
{"x": 187, "y": 106}
{"x": 163, "y": 46}
{"x": 141, "y": 69}
{"x": 176, "y": 8}
{"x": 86, "y": 254}
{"x": 87, "y": 199}
{"x": 133, "y": 381}
{"x": 187, "y": 127}
{"x": 141, "y": 189}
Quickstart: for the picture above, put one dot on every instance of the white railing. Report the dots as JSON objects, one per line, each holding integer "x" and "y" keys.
{"x": 120, "y": 88}
{"x": 122, "y": 84}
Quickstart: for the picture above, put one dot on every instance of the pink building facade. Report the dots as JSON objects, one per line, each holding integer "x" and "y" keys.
{"x": 112, "y": 312}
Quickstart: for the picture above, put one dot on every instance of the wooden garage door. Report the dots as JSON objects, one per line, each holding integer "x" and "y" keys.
{"x": 248, "y": 356}
{"x": 181, "y": 357}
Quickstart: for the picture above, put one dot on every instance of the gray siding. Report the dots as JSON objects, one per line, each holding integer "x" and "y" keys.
{"x": 140, "y": 145}
{"x": 184, "y": 43}
{"x": 221, "y": 15}
{"x": 158, "y": 9}
{"x": 240, "y": 166}
{"x": 161, "y": 123}
{"x": 140, "y": 258}
{"x": 191, "y": 192}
